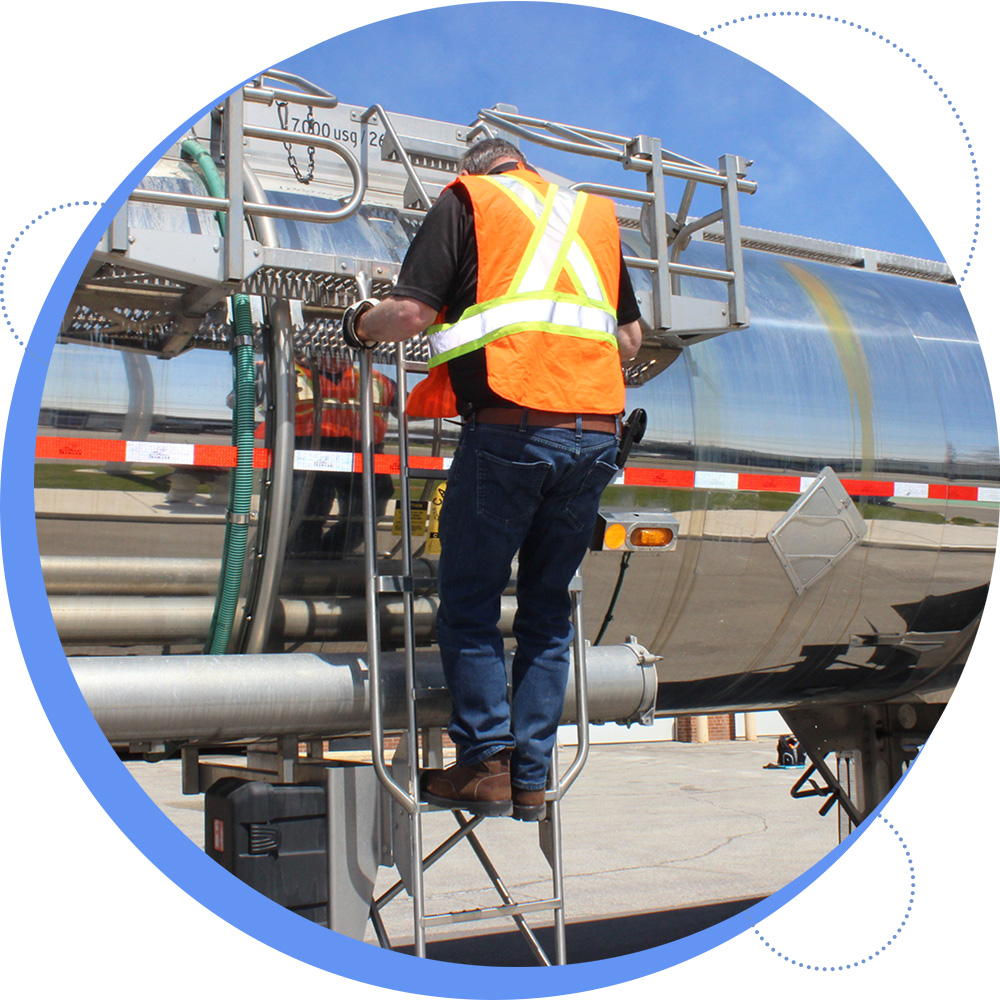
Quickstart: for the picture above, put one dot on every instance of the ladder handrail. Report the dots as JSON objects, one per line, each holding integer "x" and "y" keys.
{"x": 235, "y": 201}
{"x": 309, "y": 94}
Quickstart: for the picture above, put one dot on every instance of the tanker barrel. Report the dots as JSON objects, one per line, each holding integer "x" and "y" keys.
{"x": 248, "y": 697}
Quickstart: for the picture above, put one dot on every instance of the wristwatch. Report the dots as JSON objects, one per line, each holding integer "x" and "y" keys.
{"x": 348, "y": 329}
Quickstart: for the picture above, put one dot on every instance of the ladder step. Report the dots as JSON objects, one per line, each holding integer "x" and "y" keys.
{"x": 414, "y": 473}
{"x": 489, "y": 912}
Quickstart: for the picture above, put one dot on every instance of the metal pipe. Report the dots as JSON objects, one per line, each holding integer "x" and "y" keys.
{"x": 313, "y": 95}
{"x": 570, "y": 147}
{"x": 682, "y": 234}
{"x": 223, "y": 698}
{"x": 259, "y": 206}
{"x": 589, "y": 133}
{"x": 157, "y": 576}
{"x": 276, "y": 500}
{"x": 582, "y": 712}
{"x": 333, "y": 146}
{"x": 95, "y": 620}
{"x": 691, "y": 270}
{"x": 256, "y": 209}
{"x": 612, "y": 191}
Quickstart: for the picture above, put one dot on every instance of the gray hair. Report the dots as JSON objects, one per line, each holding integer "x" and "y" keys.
{"x": 483, "y": 155}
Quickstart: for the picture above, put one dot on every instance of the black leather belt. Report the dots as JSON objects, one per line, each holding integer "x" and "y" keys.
{"x": 608, "y": 423}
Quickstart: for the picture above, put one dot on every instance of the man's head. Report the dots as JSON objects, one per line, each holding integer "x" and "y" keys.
{"x": 485, "y": 155}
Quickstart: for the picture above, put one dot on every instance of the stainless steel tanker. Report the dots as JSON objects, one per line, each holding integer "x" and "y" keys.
{"x": 831, "y": 464}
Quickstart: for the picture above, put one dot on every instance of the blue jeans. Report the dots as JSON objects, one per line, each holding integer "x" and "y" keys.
{"x": 535, "y": 490}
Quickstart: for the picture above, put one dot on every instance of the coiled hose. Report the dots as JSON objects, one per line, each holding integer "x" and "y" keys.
{"x": 244, "y": 400}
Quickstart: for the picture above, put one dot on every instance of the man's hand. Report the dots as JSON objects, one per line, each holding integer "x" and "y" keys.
{"x": 629, "y": 340}
{"x": 349, "y": 329}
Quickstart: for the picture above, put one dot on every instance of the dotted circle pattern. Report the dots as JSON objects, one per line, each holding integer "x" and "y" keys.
{"x": 13, "y": 247}
{"x": 877, "y": 951}
{"x": 871, "y": 32}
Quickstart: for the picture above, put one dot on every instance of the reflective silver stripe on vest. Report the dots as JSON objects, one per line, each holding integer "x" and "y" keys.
{"x": 472, "y": 332}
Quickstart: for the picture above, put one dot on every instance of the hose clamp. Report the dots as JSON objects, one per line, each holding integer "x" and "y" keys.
{"x": 243, "y": 340}
{"x": 238, "y": 518}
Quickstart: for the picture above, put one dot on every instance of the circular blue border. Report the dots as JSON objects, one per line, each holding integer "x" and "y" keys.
{"x": 143, "y": 822}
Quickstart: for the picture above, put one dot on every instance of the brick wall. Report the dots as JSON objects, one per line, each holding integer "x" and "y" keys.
{"x": 720, "y": 727}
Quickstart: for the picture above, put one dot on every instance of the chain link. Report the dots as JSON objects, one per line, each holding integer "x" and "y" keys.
{"x": 308, "y": 125}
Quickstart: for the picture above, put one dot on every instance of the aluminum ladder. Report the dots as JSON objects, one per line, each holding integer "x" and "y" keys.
{"x": 402, "y": 779}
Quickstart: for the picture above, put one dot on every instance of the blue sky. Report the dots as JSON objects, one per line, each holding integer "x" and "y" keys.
{"x": 613, "y": 71}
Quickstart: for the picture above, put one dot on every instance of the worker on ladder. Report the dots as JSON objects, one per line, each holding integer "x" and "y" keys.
{"x": 523, "y": 292}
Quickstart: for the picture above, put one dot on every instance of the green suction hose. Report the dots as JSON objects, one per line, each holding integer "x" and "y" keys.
{"x": 244, "y": 400}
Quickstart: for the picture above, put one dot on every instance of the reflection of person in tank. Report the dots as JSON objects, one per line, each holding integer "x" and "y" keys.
{"x": 333, "y": 392}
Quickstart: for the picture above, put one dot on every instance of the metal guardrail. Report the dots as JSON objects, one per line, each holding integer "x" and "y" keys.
{"x": 235, "y": 206}
{"x": 646, "y": 154}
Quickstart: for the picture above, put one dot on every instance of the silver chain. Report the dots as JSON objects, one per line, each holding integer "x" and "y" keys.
{"x": 307, "y": 128}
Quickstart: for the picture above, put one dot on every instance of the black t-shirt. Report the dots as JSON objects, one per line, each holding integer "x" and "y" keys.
{"x": 441, "y": 269}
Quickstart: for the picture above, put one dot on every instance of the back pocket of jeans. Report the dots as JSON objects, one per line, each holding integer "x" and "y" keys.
{"x": 582, "y": 509}
{"x": 508, "y": 492}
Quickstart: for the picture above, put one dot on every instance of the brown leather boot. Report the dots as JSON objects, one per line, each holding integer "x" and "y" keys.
{"x": 483, "y": 790}
{"x": 529, "y": 805}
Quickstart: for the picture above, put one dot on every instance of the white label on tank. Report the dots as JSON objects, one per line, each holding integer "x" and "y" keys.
{"x": 716, "y": 481}
{"x": 910, "y": 490}
{"x": 159, "y": 453}
{"x": 324, "y": 461}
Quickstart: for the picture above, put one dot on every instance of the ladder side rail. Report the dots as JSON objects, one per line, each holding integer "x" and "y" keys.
{"x": 582, "y": 707}
{"x": 550, "y": 838}
{"x": 738, "y": 314}
{"x": 408, "y": 801}
{"x": 416, "y": 835}
{"x": 400, "y": 794}
{"x": 276, "y": 493}
{"x": 658, "y": 241}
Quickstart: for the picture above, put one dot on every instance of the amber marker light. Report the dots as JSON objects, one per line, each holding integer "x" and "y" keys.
{"x": 651, "y": 537}
{"x": 614, "y": 536}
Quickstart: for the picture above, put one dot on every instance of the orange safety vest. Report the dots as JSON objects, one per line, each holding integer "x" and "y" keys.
{"x": 546, "y": 301}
